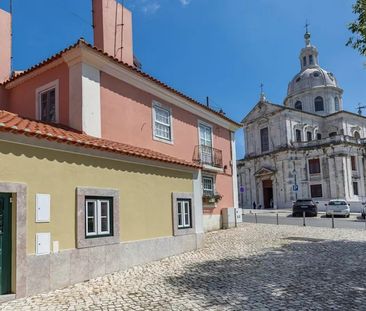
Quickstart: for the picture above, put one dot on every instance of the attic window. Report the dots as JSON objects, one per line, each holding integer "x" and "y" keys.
{"x": 47, "y": 102}
{"x": 330, "y": 75}
{"x": 316, "y": 74}
{"x": 298, "y": 79}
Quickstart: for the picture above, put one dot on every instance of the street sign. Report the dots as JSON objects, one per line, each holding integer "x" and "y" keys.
{"x": 241, "y": 189}
{"x": 295, "y": 188}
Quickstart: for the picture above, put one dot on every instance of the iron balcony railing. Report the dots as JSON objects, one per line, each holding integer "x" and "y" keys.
{"x": 207, "y": 155}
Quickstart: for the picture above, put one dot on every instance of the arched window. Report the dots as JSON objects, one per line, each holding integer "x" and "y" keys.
{"x": 336, "y": 103}
{"x": 311, "y": 60}
{"x": 319, "y": 103}
{"x": 318, "y": 136}
{"x": 298, "y": 105}
{"x": 298, "y": 135}
{"x": 356, "y": 135}
{"x": 332, "y": 134}
{"x": 309, "y": 136}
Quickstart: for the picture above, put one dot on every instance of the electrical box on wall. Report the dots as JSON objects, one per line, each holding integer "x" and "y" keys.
{"x": 43, "y": 243}
{"x": 43, "y": 207}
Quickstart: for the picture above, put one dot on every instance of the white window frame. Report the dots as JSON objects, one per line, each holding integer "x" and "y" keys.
{"x": 186, "y": 209}
{"x": 154, "y": 121}
{"x": 205, "y": 124}
{"x": 87, "y": 233}
{"x": 44, "y": 88}
{"x": 98, "y": 218}
{"x": 212, "y": 178}
{"x": 202, "y": 123}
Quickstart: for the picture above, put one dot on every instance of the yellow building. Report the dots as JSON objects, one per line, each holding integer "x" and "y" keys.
{"x": 75, "y": 207}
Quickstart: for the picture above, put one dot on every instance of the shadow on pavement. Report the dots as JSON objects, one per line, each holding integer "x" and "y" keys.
{"x": 303, "y": 275}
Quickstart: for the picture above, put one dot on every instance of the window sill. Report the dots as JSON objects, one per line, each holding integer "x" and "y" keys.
{"x": 212, "y": 168}
{"x": 209, "y": 205}
{"x": 97, "y": 241}
{"x": 162, "y": 140}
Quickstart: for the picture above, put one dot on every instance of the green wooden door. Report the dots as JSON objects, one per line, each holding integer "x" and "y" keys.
{"x": 5, "y": 243}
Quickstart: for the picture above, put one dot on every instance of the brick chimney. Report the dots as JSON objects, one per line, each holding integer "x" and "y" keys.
{"x": 113, "y": 29}
{"x": 5, "y": 45}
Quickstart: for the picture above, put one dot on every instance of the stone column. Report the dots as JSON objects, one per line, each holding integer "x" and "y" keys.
{"x": 332, "y": 178}
{"x": 361, "y": 186}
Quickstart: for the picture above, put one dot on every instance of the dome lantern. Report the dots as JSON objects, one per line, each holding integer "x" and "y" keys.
{"x": 313, "y": 84}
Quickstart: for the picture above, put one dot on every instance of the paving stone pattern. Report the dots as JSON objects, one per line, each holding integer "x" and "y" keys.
{"x": 253, "y": 267}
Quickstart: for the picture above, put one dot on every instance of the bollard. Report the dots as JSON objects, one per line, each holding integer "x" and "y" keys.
{"x": 277, "y": 220}
{"x": 333, "y": 220}
{"x": 303, "y": 218}
{"x": 256, "y": 220}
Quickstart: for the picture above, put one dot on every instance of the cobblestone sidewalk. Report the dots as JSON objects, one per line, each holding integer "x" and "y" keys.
{"x": 254, "y": 267}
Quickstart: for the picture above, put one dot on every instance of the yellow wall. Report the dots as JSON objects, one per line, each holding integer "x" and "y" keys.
{"x": 145, "y": 192}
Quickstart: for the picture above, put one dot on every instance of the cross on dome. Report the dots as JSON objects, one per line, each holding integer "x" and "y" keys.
{"x": 307, "y": 34}
{"x": 262, "y": 97}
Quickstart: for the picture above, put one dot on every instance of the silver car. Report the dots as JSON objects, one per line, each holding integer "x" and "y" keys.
{"x": 338, "y": 207}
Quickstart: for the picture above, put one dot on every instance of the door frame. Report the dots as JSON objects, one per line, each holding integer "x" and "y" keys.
{"x": 19, "y": 206}
{"x": 6, "y": 245}
{"x": 265, "y": 193}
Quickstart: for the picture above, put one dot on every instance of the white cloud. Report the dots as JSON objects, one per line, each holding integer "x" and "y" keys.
{"x": 151, "y": 8}
{"x": 185, "y": 2}
{"x": 148, "y": 7}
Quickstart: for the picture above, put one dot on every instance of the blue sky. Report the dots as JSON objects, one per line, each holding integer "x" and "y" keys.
{"x": 221, "y": 49}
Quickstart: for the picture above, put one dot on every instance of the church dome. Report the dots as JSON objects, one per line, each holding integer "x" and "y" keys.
{"x": 310, "y": 78}
{"x": 313, "y": 89}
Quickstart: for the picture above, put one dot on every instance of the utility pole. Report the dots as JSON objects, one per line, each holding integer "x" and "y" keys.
{"x": 11, "y": 37}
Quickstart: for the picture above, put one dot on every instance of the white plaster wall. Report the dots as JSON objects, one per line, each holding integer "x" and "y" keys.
{"x": 91, "y": 110}
{"x": 212, "y": 222}
{"x": 197, "y": 197}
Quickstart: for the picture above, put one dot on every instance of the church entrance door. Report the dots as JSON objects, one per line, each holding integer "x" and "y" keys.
{"x": 267, "y": 193}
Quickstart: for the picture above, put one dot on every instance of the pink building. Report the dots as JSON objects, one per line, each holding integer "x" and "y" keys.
{"x": 99, "y": 91}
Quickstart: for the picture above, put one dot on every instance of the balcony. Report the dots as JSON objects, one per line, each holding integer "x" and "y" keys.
{"x": 338, "y": 139}
{"x": 206, "y": 155}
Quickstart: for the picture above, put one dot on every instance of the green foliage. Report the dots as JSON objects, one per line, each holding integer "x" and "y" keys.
{"x": 358, "y": 28}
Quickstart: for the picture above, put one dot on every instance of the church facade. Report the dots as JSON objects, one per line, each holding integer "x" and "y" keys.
{"x": 309, "y": 147}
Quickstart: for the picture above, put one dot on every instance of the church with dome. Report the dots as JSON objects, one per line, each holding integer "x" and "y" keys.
{"x": 308, "y": 147}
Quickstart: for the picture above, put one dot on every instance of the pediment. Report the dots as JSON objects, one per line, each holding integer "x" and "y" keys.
{"x": 264, "y": 171}
{"x": 261, "y": 111}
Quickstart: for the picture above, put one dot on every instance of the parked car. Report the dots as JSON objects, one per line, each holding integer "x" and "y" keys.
{"x": 304, "y": 205}
{"x": 338, "y": 207}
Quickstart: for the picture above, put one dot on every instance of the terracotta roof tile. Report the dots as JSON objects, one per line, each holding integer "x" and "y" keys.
{"x": 10, "y": 122}
{"x": 137, "y": 71}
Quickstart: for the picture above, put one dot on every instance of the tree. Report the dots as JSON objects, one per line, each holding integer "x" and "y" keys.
{"x": 358, "y": 28}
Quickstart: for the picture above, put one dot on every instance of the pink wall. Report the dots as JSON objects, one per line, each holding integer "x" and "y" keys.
{"x": 126, "y": 114}
{"x": 22, "y": 98}
{"x": 108, "y": 14}
{"x": 5, "y": 45}
{"x": 3, "y": 98}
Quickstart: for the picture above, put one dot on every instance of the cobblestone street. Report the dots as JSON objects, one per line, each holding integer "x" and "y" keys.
{"x": 254, "y": 267}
